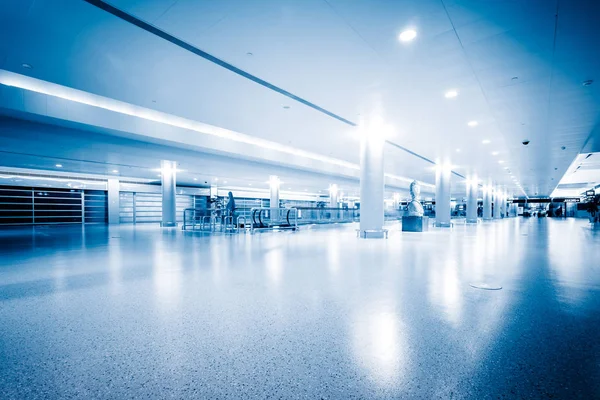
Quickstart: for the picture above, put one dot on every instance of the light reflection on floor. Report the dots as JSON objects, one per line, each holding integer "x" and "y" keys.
{"x": 142, "y": 312}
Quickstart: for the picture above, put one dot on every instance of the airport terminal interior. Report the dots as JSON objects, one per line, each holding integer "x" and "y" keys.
{"x": 299, "y": 199}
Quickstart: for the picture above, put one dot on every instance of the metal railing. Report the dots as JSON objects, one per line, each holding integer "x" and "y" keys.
{"x": 312, "y": 215}
{"x": 273, "y": 218}
{"x": 195, "y": 220}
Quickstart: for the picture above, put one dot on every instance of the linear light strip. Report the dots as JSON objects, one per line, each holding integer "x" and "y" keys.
{"x": 12, "y": 79}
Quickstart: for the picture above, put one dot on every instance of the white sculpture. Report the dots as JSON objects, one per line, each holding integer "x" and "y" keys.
{"x": 415, "y": 209}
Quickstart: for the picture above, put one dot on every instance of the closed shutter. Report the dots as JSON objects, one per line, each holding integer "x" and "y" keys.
{"x": 147, "y": 207}
{"x": 126, "y": 207}
{"x": 95, "y": 205}
{"x": 182, "y": 202}
{"x": 26, "y": 206}
{"x": 16, "y": 205}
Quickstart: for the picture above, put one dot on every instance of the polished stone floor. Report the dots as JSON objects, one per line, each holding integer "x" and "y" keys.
{"x": 139, "y": 312}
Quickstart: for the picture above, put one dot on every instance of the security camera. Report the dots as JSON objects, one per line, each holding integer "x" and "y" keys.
{"x": 525, "y": 142}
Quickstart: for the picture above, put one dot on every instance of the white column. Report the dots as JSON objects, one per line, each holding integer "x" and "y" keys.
{"x": 496, "y": 203}
{"x": 274, "y": 184}
{"x": 472, "y": 191}
{"x": 371, "y": 184}
{"x": 168, "y": 178}
{"x": 487, "y": 202}
{"x": 396, "y": 201}
{"x": 442, "y": 195}
{"x": 113, "y": 201}
{"x": 503, "y": 199}
{"x": 333, "y": 196}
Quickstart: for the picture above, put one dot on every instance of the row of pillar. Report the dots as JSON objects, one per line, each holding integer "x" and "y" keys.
{"x": 371, "y": 192}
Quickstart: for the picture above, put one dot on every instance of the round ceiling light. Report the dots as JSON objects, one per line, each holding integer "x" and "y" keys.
{"x": 58, "y": 165}
{"x": 450, "y": 94}
{"x": 472, "y": 123}
{"x": 407, "y": 35}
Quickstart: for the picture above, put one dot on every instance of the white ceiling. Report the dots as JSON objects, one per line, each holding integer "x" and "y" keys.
{"x": 343, "y": 56}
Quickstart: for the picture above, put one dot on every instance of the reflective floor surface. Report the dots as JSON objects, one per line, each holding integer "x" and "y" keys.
{"x": 140, "y": 312}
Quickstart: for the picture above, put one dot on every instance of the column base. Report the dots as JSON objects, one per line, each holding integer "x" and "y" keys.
{"x": 472, "y": 221}
{"x": 443, "y": 224}
{"x": 168, "y": 224}
{"x": 372, "y": 233}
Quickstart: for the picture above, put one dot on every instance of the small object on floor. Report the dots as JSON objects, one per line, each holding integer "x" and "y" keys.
{"x": 485, "y": 286}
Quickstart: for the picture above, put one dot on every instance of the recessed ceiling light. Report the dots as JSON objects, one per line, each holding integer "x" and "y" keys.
{"x": 485, "y": 141}
{"x": 473, "y": 123}
{"x": 195, "y": 179}
{"x": 494, "y": 153}
{"x": 501, "y": 162}
{"x": 27, "y": 66}
{"x": 115, "y": 171}
{"x": 249, "y": 184}
{"x": 249, "y": 54}
{"x": 58, "y": 165}
{"x": 450, "y": 94}
{"x": 458, "y": 150}
{"x": 407, "y": 35}
{"x": 216, "y": 179}
{"x": 289, "y": 188}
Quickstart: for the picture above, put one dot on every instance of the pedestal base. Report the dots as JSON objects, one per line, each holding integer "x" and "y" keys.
{"x": 372, "y": 234}
{"x": 168, "y": 224}
{"x": 415, "y": 224}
